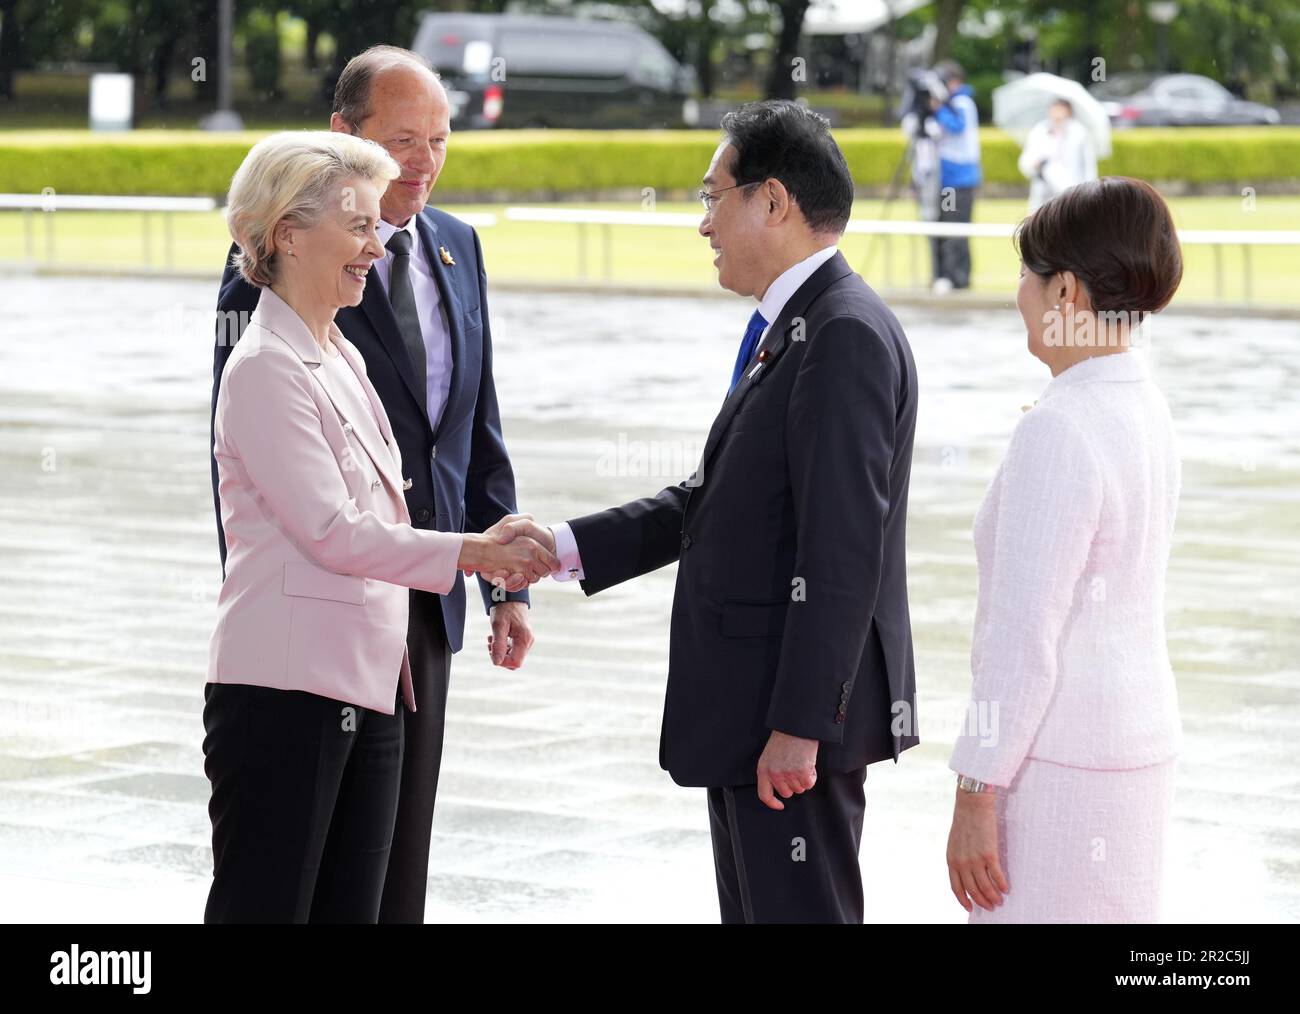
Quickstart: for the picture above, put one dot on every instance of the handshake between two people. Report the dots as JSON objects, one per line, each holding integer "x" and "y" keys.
{"x": 513, "y": 553}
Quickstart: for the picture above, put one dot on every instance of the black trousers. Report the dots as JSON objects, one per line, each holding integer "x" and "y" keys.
{"x": 950, "y": 255}
{"x": 797, "y": 865}
{"x": 408, "y": 864}
{"x": 304, "y": 794}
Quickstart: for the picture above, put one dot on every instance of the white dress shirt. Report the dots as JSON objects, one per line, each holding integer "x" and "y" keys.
{"x": 1068, "y": 654}
{"x": 433, "y": 315}
{"x": 770, "y": 306}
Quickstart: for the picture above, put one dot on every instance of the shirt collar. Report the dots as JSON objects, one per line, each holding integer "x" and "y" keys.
{"x": 1115, "y": 367}
{"x": 787, "y": 283}
{"x": 387, "y": 229}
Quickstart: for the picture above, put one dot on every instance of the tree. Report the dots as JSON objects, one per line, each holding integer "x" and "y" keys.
{"x": 947, "y": 16}
{"x": 781, "y": 78}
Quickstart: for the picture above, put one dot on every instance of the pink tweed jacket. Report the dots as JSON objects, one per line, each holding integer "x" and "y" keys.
{"x": 320, "y": 546}
{"x": 1072, "y": 542}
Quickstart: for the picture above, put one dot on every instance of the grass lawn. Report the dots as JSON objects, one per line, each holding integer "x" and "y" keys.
{"x": 542, "y": 252}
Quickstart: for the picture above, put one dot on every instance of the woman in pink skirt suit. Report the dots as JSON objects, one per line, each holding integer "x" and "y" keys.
{"x": 1066, "y": 762}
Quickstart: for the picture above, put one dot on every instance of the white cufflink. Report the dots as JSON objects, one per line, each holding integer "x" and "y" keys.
{"x": 407, "y": 484}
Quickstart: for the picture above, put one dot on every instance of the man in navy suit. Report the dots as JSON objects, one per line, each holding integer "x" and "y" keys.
{"x": 790, "y": 658}
{"x": 423, "y": 330}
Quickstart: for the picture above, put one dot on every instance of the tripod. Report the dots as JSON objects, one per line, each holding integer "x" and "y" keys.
{"x": 927, "y": 187}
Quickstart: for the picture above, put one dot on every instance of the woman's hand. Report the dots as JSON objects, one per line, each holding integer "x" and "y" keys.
{"x": 513, "y": 565}
{"x": 974, "y": 870}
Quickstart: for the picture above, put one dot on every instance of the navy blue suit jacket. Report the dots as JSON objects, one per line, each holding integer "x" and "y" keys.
{"x": 461, "y": 479}
{"x": 791, "y": 609}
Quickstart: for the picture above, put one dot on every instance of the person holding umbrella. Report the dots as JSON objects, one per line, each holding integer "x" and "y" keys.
{"x": 1062, "y": 129}
{"x": 1058, "y": 153}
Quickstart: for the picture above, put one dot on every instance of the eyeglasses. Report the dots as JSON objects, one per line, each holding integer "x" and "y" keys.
{"x": 710, "y": 198}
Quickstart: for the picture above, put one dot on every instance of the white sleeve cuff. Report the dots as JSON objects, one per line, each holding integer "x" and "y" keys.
{"x": 566, "y": 548}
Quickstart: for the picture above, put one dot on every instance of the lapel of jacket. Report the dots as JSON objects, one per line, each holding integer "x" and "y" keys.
{"x": 449, "y": 290}
{"x": 378, "y": 309}
{"x": 364, "y": 428}
{"x": 774, "y": 345}
{"x": 276, "y": 318}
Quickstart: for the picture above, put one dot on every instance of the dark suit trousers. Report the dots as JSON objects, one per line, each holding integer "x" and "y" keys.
{"x": 797, "y": 865}
{"x": 304, "y": 794}
{"x": 408, "y": 865}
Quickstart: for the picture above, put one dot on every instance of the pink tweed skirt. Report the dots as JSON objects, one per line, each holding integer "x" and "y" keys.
{"x": 1082, "y": 845}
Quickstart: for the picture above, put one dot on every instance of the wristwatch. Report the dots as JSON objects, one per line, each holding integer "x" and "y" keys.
{"x": 969, "y": 784}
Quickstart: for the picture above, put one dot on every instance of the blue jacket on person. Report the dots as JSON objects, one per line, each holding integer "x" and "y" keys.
{"x": 959, "y": 147}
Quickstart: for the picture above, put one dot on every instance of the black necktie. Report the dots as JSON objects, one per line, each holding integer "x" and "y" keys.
{"x": 402, "y": 296}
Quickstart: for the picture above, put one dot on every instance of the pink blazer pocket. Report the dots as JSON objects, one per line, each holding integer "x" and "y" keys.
{"x": 306, "y": 580}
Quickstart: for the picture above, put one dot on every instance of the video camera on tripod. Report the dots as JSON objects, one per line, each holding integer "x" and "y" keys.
{"x": 915, "y": 112}
{"x": 923, "y": 84}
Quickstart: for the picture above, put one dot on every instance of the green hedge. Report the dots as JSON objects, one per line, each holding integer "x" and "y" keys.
{"x": 567, "y": 162}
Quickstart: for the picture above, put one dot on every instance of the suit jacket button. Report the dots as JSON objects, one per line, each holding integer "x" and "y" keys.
{"x": 433, "y": 453}
{"x": 422, "y": 515}
{"x": 686, "y": 541}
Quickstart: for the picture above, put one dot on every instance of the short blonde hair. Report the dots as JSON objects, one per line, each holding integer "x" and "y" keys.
{"x": 294, "y": 174}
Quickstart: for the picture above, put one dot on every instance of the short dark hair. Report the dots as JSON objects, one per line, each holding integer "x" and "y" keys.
{"x": 782, "y": 140}
{"x": 1116, "y": 235}
{"x": 352, "y": 90}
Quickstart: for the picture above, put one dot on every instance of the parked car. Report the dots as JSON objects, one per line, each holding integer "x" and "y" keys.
{"x": 510, "y": 70}
{"x": 1176, "y": 100}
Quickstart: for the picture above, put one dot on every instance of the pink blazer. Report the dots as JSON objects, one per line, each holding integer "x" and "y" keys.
{"x": 320, "y": 546}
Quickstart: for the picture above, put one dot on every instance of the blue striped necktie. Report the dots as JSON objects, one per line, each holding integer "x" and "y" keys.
{"x": 747, "y": 346}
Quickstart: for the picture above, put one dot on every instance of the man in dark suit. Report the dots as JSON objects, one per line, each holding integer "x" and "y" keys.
{"x": 423, "y": 330}
{"x": 790, "y": 665}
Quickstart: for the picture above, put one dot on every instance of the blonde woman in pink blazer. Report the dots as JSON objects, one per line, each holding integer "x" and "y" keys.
{"x": 308, "y": 668}
{"x": 1066, "y": 763}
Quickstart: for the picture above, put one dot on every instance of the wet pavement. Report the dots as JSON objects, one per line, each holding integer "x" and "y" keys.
{"x": 552, "y": 805}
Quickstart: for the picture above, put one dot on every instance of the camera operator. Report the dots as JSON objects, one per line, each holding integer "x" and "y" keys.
{"x": 944, "y": 125}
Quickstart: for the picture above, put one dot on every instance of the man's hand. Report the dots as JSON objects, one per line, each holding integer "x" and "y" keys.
{"x": 511, "y": 635}
{"x": 514, "y": 525}
{"x": 788, "y": 765}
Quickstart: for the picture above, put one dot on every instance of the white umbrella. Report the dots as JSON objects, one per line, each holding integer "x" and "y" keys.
{"x": 1020, "y": 104}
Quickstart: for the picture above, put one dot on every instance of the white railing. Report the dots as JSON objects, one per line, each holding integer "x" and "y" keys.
{"x": 604, "y": 220}
{"x": 584, "y": 218}
{"x": 147, "y": 207}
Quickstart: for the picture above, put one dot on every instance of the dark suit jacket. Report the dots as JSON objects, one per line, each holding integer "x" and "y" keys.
{"x": 790, "y": 611}
{"x": 461, "y": 474}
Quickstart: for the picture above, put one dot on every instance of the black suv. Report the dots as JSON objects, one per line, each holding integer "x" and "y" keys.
{"x": 511, "y": 70}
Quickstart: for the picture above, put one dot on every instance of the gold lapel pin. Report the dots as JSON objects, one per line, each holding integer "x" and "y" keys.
{"x": 762, "y": 356}
{"x": 446, "y": 256}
